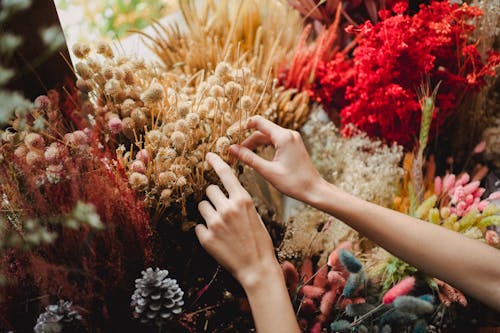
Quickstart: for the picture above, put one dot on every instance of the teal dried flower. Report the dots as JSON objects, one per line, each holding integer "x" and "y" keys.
{"x": 349, "y": 261}
{"x": 340, "y": 326}
{"x": 427, "y": 297}
{"x": 354, "y": 310}
{"x": 397, "y": 317}
{"x": 354, "y": 281}
{"x": 420, "y": 326}
{"x": 414, "y": 305}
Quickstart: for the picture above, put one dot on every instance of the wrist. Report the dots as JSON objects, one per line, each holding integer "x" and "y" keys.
{"x": 261, "y": 277}
{"x": 319, "y": 192}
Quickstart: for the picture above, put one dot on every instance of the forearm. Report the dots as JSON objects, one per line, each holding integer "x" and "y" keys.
{"x": 465, "y": 263}
{"x": 271, "y": 306}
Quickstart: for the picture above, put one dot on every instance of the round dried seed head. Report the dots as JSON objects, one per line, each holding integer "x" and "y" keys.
{"x": 113, "y": 88}
{"x": 165, "y": 195}
{"x": 84, "y": 70}
{"x": 21, "y": 151}
{"x": 138, "y": 166}
{"x": 115, "y": 125}
{"x": 85, "y": 86}
{"x": 203, "y": 111}
{"x": 193, "y": 120}
{"x": 233, "y": 90}
{"x": 181, "y": 181}
{"x": 153, "y": 94}
{"x": 210, "y": 103}
{"x": 178, "y": 140}
{"x": 168, "y": 128}
{"x": 167, "y": 178}
{"x": 216, "y": 91}
{"x": 104, "y": 49}
{"x": 222, "y": 145}
{"x": 246, "y": 103}
{"x": 181, "y": 125}
{"x": 127, "y": 107}
{"x": 34, "y": 158}
{"x": 223, "y": 69}
{"x": 34, "y": 141}
{"x": 108, "y": 72}
{"x": 183, "y": 108}
{"x": 128, "y": 127}
{"x": 166, "y": 155}
{"x": 81, "y": 50}
{"x": 154, "y": 137}
{"x": 138, "y": 181}
{"x": 139, "y": 118}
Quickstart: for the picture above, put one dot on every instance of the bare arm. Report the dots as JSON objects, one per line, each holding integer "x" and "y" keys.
{"x": 467, "y": 264}
{"x": 236, "y": 237}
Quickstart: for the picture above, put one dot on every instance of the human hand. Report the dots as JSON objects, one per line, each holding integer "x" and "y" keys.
{"x": 291, "y": 170}
{"x": 235, "y": 235}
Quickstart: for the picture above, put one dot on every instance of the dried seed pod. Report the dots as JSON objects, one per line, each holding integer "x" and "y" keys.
{"x": 154, "y": 94}
{"x": 183, "y": 108}
{"x": 104, "y": 49}
{"x": 222, "y": 145}
{"x": 81, "y": 50}
{"x": 167, "y": 178}
{"x": 139, "y": 118}
{"x": 128, "y": 127}
{"x": 138, "y": 181}
{"x": 84, "y": 70}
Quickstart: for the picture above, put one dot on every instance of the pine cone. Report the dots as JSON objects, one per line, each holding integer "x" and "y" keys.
{"x": 59, "y": 317}
{"x": 156, "y": 298}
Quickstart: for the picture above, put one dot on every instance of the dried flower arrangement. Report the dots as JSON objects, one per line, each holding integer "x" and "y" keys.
{"x": 376, "y": 90}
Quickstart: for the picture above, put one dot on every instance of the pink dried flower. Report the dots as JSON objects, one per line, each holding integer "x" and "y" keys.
{"x": 143, "y": 156}
{"x": 494, "y": 196}
{"x": 336, "y": 280}
{"x": 34, "y": 141}
{"x": 42, "y": 102}
{"x": 306, "y": 271}
{"x": 316, "y": 328}
{"x": 54, "y": 153}
{"x": 402, "y": 288}
{"x": 438, "y": 185}
{"x": 320, "y": 279}
{"x": 464, "y": 179}
{"x": 115, "y": 125}
{"x": 291, "y": 275}
{"x": 448, "y": 182}
{"x": 138, "y": 166}
{"x": 313, "y": 292}
{"x": 480, "y": 147}
{"x": 327, "y": 303}
{"x": 333, "y": 258}
{"x": 308, "y": 306}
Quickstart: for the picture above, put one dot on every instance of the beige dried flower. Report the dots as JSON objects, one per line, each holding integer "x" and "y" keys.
{"x": 54, "y": 153}
{"x": 104, "y": 49}
{"x": 21, "y": 151}
{"x": 138, "y": 166}
{"x": 178, "y": 140}
{"x": 166, "y": 155}
{"x": 81, "y": 50}
{"x": 154, "y": 94}
{"x": 233, "y": 90}
{"x": 138, "y": 181}
{"x": 113, "y": 88}
{"x": 34, "y": 141}
{"x": 216, "y": 91}
{"x": 167, "y": 178}
{"x": 127, "y": 107}
{"x": 34, "y": 158}
{"x": 108, "y": 72}
{"x": 85, "y": 86}
{"x": 192, "y": 120}
{"x": 154, "y": 138}
{"x": 246, "y": 103}
{"x": 183, "y": 108}
{"x": 165, "y": 195}
{"x": 181, "y": 181}
{"x": 84, "y": 70}
{"x": 128, "y": 127}
{"x": 181, "y": 125}
{"x": 139, "y": 118}
{"x": 168, "y": 129}
{"x": 222, "y": 145}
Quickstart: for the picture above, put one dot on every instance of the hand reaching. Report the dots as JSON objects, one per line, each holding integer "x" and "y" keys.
{"x": 234, "y": 235}
{"x": 291, "y": 170}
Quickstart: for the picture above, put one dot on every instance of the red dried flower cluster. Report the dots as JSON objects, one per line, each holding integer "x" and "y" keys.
{"x": 377, "y": 89}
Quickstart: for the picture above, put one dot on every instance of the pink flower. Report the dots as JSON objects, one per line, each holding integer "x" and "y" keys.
{"x": 115, "y": 125}
{"x": 402, "y": 288}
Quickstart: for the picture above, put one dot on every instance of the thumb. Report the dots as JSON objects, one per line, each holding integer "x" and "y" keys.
{"x": 251, "y": 159}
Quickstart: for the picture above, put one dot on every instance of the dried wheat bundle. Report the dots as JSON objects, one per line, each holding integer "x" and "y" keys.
{"x": 259, "y": 35}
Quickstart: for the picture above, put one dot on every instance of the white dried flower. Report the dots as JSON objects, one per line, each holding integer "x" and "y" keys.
{"x": 128, "y": 127}
{"x": 181, "y": 125}
{"x": 54, "y": 153}
{"x": 127, "y": 107}
{"x": 166, "y": 155}
{"x": 216, "y": 91}
{"x": 233, "y": 90}
{"x": 181, "y": 181}
{"x": 113, "y": 88}
{"x": 223, "y": 69}
{"x": 246, "y": 103}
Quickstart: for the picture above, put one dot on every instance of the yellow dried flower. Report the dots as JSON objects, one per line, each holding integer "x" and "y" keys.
{"x": 138, "y": 181}
{"x": 203, "y": 111}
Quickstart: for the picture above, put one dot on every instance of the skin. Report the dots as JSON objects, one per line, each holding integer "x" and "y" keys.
{"x": 237, "y": 239}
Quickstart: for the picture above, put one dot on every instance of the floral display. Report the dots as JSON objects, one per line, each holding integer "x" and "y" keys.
{"x": 100, "y": 179}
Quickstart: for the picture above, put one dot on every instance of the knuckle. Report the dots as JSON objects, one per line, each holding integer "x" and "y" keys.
{"x": 296, "y": 136}
{"x": 229, "y": 212}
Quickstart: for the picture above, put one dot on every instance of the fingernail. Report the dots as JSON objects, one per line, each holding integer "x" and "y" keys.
{"x": 234, "y": 149}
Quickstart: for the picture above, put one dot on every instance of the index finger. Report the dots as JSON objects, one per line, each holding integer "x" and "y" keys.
{"x": 267, "y": 127}
{"x": 225, "y": 173}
